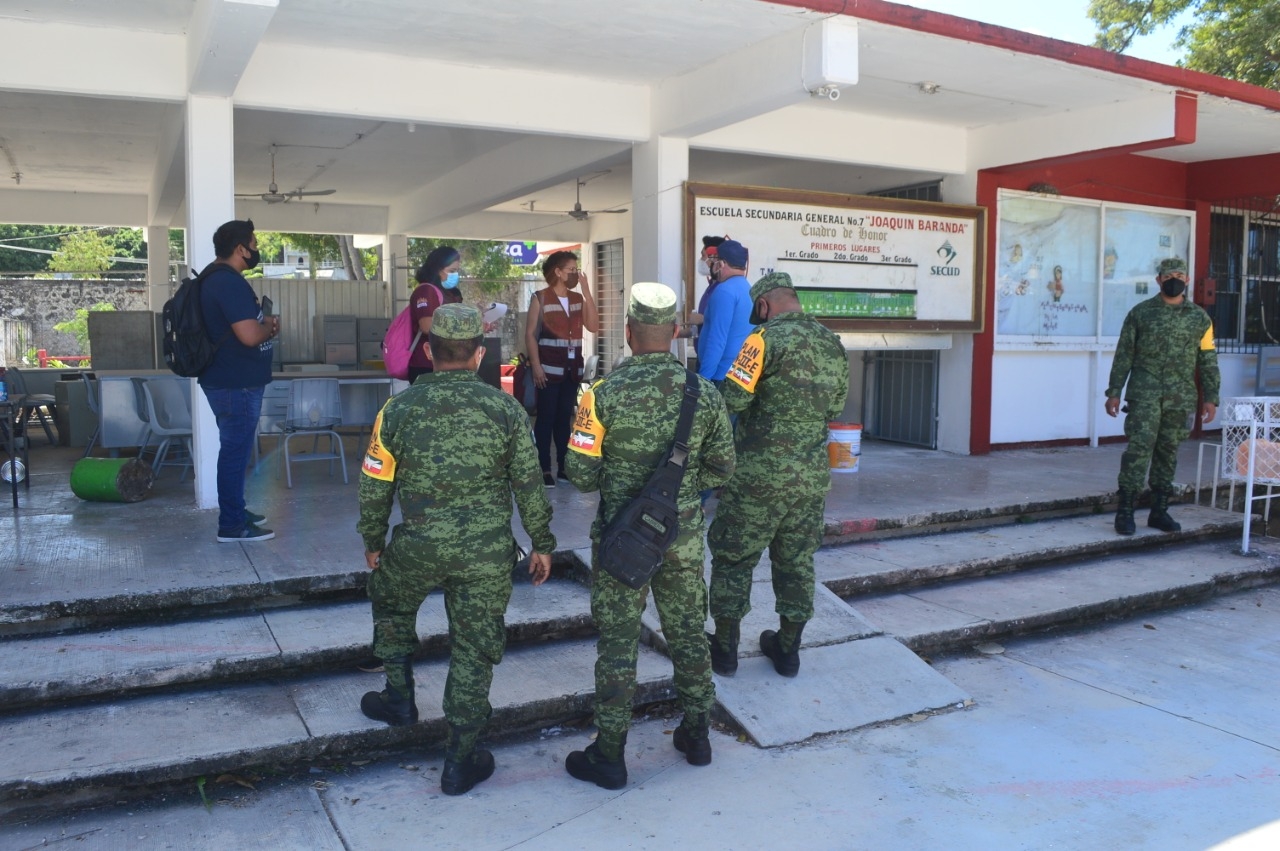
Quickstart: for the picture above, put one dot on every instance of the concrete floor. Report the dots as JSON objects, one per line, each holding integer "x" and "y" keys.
{"x": 1158, "y": 733}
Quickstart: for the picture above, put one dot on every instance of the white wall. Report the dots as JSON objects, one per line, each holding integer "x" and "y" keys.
{"x": 1041, "y": 396}
{"x": 1047, "y": 395}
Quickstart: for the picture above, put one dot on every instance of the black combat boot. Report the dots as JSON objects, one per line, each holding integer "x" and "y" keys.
{"x": 692, "y": 739}
{"x": 1159, "y": 517}
{"x": 465, "y": 765}
{"x": 724, "y": 660}
{"x": 390, "y": 706}
{"x": 594, "y": 767}
{"x": 786, "y": 662}
{"x": 1124, "y": 513}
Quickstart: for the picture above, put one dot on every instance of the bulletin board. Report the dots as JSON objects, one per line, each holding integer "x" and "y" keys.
{"x": 858, "y": 262}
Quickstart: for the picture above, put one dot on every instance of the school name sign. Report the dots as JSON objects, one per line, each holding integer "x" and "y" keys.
{"x": 859, "y": 263}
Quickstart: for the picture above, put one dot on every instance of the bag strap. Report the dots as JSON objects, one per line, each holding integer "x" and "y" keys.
{"x": 418, "y": 336}
{"x": 680, "y": 449}
{"x": 197, "y": 286}
{"x": 665, "y": 481}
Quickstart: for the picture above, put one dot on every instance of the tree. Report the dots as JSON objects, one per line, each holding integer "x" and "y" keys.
{"x": 82, "y": 251}
{"x": 486, "y": 262}
{"x": 14, "y": 237}
{"x": 1238, "y": 39}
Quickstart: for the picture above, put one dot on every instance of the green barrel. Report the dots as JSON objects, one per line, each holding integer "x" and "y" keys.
{"x": 111, "y": 479}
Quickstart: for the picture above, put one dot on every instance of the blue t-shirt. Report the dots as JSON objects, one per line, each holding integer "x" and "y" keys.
{"x": 725, "y": 327}
{"x": 227, "y": 298}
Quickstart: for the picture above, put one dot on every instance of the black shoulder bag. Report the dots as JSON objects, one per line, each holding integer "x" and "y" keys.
{"x": 636, "y": 540}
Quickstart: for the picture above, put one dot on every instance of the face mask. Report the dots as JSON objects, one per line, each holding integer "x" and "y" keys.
{"x": 254, "y": 257}
{"x": 450, "y": 281}
{"x": 571, "y": 281}
{"x": 1173, "y": 287}
{"x": 703, "y": 269}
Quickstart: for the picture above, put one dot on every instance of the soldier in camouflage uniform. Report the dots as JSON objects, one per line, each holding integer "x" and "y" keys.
{"x": 790, "y": 379}
{"x": 455, "y": 450}
{"x": 624, "y": 427}
{"x": 1163, "y": 341}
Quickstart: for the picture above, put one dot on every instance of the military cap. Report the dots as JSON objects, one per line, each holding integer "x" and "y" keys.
{"x": 732, "y": 252}
{"x": 1170, "y": 265}
{"x": 770, "y": 282}
{"x": 456, "y": 322}
{"x": 652, "y": 304}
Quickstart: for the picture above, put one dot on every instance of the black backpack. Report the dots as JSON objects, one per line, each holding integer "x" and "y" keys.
{"x": 188, "y": 351}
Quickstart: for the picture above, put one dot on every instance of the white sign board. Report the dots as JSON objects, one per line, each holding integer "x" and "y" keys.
{"x": 859, "y": 263}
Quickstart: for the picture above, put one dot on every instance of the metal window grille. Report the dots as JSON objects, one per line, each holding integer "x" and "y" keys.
{"x": 1244, "y": 263}
{"x": 904, "y": 387}
{"x": 611, "y": 303}
{"x": 930, "y": 191}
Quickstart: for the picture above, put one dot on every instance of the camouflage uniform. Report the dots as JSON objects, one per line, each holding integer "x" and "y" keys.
{"x": 790, "y": 379}
{"x": 1161, "y": 346}
{"x": 455, "y": 450}
{"x": 623, "y": 429}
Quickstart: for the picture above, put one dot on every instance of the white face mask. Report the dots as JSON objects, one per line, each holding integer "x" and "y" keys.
{"x": 703, "y": 269}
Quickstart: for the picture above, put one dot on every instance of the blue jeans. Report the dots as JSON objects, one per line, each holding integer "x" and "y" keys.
{"x": 237, "y": 411}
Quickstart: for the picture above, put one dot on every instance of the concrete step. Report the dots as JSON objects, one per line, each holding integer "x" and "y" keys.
{"x": 169, "y": 569}
{"x": 959, "y": 614}
{"x": 133, "y": 659}
{"x": 876, "y": 566}
{"x": 852, "y": 676}
{"x": 82, "y": 753}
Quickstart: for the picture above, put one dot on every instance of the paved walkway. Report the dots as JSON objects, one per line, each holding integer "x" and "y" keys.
{"x": 1157, "y": 733}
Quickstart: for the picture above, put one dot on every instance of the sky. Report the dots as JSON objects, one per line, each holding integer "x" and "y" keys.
{"x": 1064, "y": 19}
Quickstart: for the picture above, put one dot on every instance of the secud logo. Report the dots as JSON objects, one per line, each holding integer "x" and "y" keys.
{"x": 948, "y": 253}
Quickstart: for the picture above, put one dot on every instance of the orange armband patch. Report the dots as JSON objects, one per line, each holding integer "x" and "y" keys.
{"x": 379, "y": 463}
{"x": 746, "y": 369}
{"x": 1206, "y": 342}
{"x": 588, "y": 432}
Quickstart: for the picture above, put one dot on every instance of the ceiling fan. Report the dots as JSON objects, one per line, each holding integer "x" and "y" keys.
{"x": 577, "y": 213}
{"x": 273, "y": 195}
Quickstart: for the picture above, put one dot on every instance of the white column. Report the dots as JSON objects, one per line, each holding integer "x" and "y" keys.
{"x": 157, "y": 267}
{"x": 659, "y": 169}
{"x": 210, "y": 202}
{"x": 395, "y": 259}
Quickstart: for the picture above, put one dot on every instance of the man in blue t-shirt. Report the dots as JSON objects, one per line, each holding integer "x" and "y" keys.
{"x": 727, "y": 320}
{"x": 240, "y": 371}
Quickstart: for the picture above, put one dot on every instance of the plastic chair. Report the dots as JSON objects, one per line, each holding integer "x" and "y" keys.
{"x": 145, "y": 436}
{"x": 169, "y": 412}
{"x": 91, "y": 395}
{"x": 275, "y": 410}
{"x": 31, "y": 405}
{"x": 315, "y": 408}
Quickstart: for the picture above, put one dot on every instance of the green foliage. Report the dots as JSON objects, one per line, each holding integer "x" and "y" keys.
{"x": 486, "y": 262}
{"x": 27, "y": 236}
{"x": 319, "y": 247}
{"x": 82, "y": 251}
{"x": 1238, "y": 39}
{"x": 79, "y": 324}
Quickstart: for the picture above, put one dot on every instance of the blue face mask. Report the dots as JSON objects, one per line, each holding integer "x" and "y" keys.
{"x": 450, "y": 281}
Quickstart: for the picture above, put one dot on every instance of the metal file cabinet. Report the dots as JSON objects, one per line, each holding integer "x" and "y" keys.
{"x": 369, "y": 334}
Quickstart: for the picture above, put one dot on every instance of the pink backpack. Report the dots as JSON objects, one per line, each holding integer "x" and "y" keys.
{"x": 401, "y": 339}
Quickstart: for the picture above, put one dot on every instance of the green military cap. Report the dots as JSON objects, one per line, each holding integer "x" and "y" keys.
{"x": 652, "y": 304}
{"x": 770, "y": 282}
{"x": 1170, "y": 265}
{"x": 456, "y": 322}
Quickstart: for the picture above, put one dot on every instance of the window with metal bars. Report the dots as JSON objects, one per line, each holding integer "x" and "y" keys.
{"x": 610, "y": 292}
{"x": 1244, "y": 264}
{"x": 930, "y": 191}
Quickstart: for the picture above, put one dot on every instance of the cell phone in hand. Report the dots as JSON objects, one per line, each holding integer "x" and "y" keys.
{"x": 267, "y": 305}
